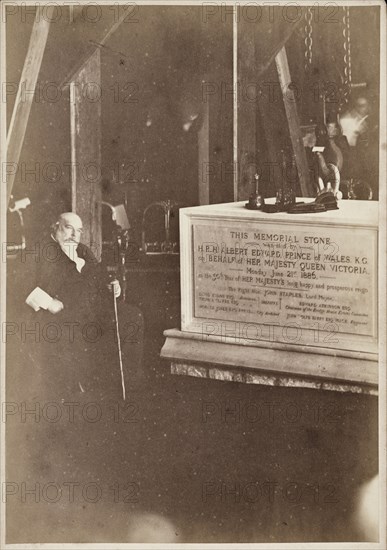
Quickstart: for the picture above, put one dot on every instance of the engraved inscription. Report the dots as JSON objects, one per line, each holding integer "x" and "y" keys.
{"x": 315, "y": 276}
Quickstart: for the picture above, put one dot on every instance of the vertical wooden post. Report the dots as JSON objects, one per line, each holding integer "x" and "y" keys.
{"x": 204, "y": 168}
{"x": 246, "y": 105}
{"x": 281, "y": 61}
{"x": 270, "y": 117}
{"x": 86, "y": 185}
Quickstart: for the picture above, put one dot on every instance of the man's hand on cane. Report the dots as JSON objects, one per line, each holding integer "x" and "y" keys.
{"x": 115, "y": 287}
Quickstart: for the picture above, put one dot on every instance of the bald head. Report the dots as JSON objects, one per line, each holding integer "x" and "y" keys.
{"x": 68, "y": 228}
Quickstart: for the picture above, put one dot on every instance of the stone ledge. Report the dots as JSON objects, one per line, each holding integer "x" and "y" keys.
{"x": 233, "y": 363}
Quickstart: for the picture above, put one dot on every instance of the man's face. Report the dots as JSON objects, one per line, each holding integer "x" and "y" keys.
{"x": 69, "y": 229}
{"x": 362, "y": 106}
{"x": 332, "y": 129}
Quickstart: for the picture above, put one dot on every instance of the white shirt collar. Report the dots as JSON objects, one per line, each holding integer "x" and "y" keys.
{"x": 70, "y": 249}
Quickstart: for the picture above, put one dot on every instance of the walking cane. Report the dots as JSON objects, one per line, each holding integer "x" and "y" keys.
{"x": 120, "y": 217}
{"x": 119, "y": 345}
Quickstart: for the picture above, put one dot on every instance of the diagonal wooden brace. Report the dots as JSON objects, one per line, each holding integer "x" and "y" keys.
{"x": 29, "y": 77}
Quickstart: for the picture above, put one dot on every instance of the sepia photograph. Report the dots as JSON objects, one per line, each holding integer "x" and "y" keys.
{"x": 193, "y": 275}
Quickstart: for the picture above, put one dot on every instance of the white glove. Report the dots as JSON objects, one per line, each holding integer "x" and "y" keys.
{"x": 116, "y": 287}
{"x": 55, "y": 306}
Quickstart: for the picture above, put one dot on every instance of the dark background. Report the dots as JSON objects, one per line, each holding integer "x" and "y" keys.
{"x": 152, "y": 76}
{"x": 261, "y": 115}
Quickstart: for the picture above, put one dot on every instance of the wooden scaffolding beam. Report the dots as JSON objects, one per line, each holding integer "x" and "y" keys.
{"x": 26, "y": 90}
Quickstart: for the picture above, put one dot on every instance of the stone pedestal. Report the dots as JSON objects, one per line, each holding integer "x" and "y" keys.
{"x": 279, "y": 299}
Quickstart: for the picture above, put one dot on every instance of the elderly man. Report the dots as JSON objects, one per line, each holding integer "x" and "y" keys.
{"x": 73, "y": 306}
